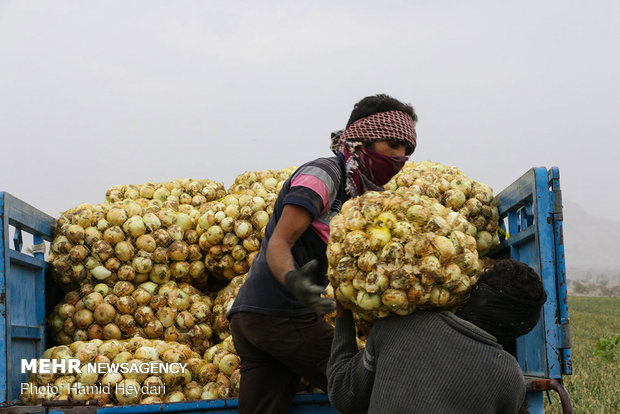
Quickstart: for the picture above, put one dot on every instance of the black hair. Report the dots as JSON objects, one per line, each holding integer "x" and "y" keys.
{"x": 379, "y": 103}
{"x": 506, "y": 301}
{"x": 515, "y": 279}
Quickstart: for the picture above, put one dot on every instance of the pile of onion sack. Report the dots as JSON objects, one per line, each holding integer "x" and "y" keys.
{"x": 448, "y": 185}
{"x": 395, "y": 252}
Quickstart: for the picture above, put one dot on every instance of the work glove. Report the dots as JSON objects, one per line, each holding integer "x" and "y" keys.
{"x": 299, "y": 283}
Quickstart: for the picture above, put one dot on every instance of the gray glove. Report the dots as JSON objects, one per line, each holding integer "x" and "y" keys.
{"x": 299, "y": 283}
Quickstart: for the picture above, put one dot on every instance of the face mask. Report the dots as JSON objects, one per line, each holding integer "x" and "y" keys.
{"x": 377, "y": 167}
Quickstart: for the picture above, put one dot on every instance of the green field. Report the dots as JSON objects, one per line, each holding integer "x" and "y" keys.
{"x": 595, "y": 384}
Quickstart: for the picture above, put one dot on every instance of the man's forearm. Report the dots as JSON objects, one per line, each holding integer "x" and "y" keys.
{"x": 279, "y": 259}
{"x": 292, "y": 224}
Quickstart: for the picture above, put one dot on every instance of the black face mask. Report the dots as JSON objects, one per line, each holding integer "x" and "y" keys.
{"x": 501, "y": 315}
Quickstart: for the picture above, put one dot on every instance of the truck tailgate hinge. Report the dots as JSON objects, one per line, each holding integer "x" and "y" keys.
{"x": 557, "y": 205}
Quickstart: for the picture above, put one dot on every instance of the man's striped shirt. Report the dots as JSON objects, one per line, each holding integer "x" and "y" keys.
{"x": 317, "y": 186}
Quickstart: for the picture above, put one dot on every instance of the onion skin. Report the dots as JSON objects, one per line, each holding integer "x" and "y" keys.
{"x": 126, "y": 304}
{"x": 83, "y": 318}
{"x": 111, "y": 331}
{"x": 95, "y": 331}
{"x": 123, "y": 288}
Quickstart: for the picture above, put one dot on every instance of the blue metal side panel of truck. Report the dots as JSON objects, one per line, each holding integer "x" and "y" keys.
{"x": 3, "y": 350}
{"x": 22, "y": 292}
{"x": 302, "y": 404}
{"x": 531, "y": 213}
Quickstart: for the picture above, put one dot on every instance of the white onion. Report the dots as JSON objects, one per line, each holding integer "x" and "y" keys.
{"x": 184, "y": 221}
{"x": 102, "y": 289}
{"x": 134, "y": 226}
{"x": 215, "y": 234}
{"x": 146, "y": 353}
{"x": 243, "y": 228}
{"x": 127, "y": 392}
{"x": 100, "y": 273}
{"x": 146, "y": 242}
{"x": 150, "y": 287}
{"x": 142, "y": 264}
{"x": 175, "y": 232}
{"x": 75, "y": 233}
{"x": 124, "y": 251}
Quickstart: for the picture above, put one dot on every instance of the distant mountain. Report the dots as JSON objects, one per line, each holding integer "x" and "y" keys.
{"x": 590, "y": 242}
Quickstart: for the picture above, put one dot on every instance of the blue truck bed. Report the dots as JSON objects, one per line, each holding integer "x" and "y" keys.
{"x": 22, "y": 291}
{"x": 531, "y": 222}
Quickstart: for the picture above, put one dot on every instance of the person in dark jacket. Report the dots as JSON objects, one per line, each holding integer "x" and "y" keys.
{"x": 440, "y": 362}
{"x": 276, "y": 321}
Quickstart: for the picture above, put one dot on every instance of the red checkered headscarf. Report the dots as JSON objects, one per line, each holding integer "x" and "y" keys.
{"x": 383, "y": 126}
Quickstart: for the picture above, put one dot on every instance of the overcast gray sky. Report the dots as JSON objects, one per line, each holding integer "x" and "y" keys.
{"x": 94, "y": 94}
